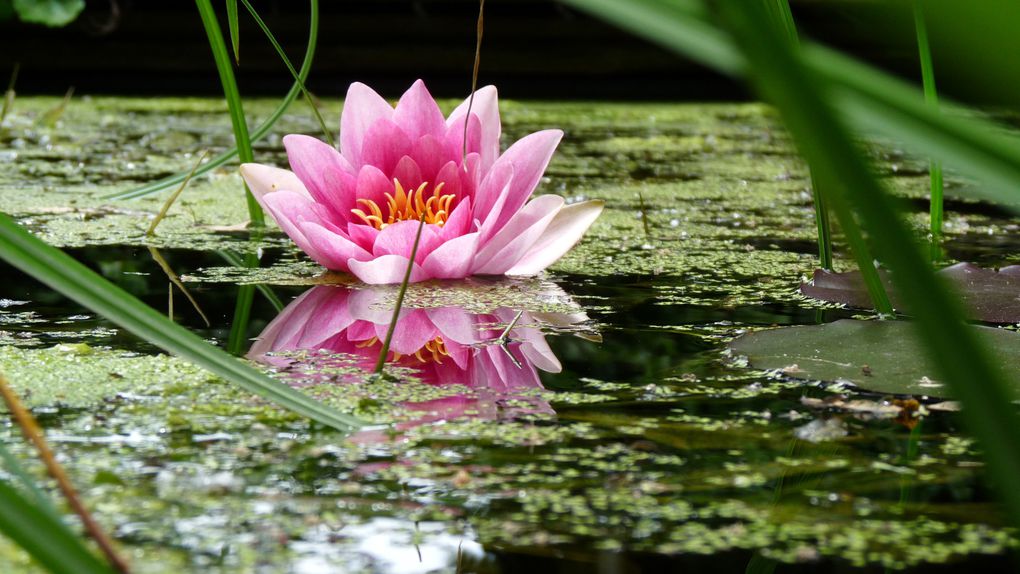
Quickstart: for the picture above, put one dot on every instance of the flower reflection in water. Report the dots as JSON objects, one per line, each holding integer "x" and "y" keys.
{"x": 440, "y": 346}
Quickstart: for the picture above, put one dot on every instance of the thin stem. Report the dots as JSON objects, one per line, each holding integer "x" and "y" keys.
{"x": 824, "y": 224}
{"x": 474, "y": 74}
{"x": 34, "y": 435}
{"x": 780, "y": 10}
{"x": 238, "y": 338}
{"x": 9, "y": 94}
{"x": 176, "y": 282}
{"x": 173, "y": 197}
{"x": 293, "y": 72}
{"x": 932, "y": 99}
{"x": 226, "y": 72}
{"x": 259, "y": 133}
{"x": 400, "y": 301}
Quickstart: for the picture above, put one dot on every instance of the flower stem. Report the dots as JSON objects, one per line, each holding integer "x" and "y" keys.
{"x": 233, "y": 96}
{"x": 932, "y": 99}
{"x": 474, "y": 74}
{"x": 400, "y": 301}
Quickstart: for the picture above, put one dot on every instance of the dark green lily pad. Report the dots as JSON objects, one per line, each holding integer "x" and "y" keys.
{"x": 991, "y": 296}
{"x": 880, "y": 356}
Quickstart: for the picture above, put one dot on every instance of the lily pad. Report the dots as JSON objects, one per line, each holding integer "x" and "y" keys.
{"x": 880, "y": 356}
{"x": 991, "y": 296}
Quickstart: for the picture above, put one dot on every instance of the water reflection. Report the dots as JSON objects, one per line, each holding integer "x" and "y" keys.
{"x": 442, "y": 346}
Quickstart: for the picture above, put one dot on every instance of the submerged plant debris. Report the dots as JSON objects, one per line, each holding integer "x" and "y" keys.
{"x": 649, "y": 443}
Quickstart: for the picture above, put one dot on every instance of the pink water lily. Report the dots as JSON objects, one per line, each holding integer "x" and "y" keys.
{"x": 358, "y": 209}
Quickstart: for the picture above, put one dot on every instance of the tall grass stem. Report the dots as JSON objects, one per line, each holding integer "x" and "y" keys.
{"x": 385, "y": 350}
{"x": 932, "y": 99}
{"x": 233, "y": 96}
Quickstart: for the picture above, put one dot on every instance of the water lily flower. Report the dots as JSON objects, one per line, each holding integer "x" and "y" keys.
{"x": 357, "y": 209}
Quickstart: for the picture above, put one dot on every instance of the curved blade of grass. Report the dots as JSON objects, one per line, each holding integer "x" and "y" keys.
{"x": 235, "y": 36}
{"x": 297, "y": 78}
{"x": 47, "y": 539}
{"x": 69, "y": 277}
{"x": 932, "y": 98}
{"x": 234, "y": 104}
{"x": 780, "y": 11}
{"x": 38, "y": 498}
{"x": 826, "y": 143}
{"x": 259, "y": 132}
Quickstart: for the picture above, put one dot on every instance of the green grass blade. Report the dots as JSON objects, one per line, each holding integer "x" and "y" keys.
{"x": 932, "y": 98}
{"x": 69, "y": 277}
{"x": 297, "y": 78}
{"x": 235, "y": 37}
{"x": 781, "y": 13}
{"x": 233, "y": 96}
{"x": 48, "y": 540}
{"x": 257, "y": 135}
{"x": 826, "y": 143}
{"x": 39, "y": 498}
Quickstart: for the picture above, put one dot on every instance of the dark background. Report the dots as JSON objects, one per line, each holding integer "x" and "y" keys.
{"x": 531, "y": 49}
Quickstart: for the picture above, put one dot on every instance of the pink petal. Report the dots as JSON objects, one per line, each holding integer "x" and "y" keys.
{"x": 456, "y": 325}
{"x": 321, "y": 169}
{"x": 449, "y": 175}
{"x": 459, "y": 222}
{"x": 291, "y": 328}
{"x": 529, "y": 156}
{"x": 455, "y": 137}
{"x": 384, "y": 270}
{"x": 430, "y": 154}
{"x": 492, "y": 195}
{"x": 362, "y": 108}
{"x": 385, "y": 143}
{"x": 563, "y": 232}
{"x": 412, "y": 332}
{"x": 408, "y": 174}
{"x": 265, "y": 179}
{"x": 453, "y": 259}
{"x": 329, "y": 249}
{"x": 418, "y": 114}
{"x": 289, "y": 209}
{"x": 486, "y": 107}
{"x": 522, "y": 231}
{"x": 398, "y": 239}
{"x": 363, "y": 235}
{"x": 372, "y": 185}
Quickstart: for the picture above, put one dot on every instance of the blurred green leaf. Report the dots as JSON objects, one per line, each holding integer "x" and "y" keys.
{"x": 53, "y": 13}
{"x": 235, "y": 37}
{"x": 69, "y": 277}
{"x": 44, "y": 536}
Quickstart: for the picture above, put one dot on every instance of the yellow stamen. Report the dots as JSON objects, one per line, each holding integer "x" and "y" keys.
{"x": 402, "y": 206}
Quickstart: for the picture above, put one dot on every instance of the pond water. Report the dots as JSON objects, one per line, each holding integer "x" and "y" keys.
{"x": 612, "y": 432}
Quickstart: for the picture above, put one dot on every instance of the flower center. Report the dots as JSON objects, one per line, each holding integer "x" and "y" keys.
{"x": 433, "y": 350}
{"x": 402, "y": 206}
